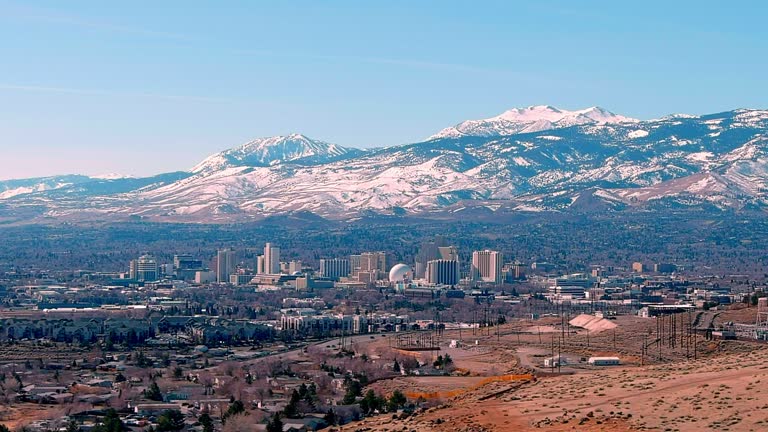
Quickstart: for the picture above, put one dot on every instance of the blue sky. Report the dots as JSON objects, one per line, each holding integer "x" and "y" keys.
{"x": 144, "y": 87}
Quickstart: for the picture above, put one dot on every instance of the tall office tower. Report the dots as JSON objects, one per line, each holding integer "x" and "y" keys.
{"x": 370, "y": 261}
{"x": 354, "y": 264}
{"x": 486, "y": 266}
{"x": 185, "y": 267}
{"x": 450, "y": 253}
{"x": 144, "y": 269}
{"x": 186, "y": 262}
{"x": 443, "y": 272}
{"x": 261, "y": 268}
{"x": 519, "y": 270}
{"x": 374, "y": 265}
{"x": 180, "y": 260}
{"x": 271, "y": 259}
{"x": 226, "y": 261}
{"x": 428, "y": 251}
{"x": 294, "y": 267}
{"x": 334, "y": 268}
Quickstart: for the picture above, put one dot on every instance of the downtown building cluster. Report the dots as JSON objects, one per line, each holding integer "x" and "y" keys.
{"x": 436, "y": 264}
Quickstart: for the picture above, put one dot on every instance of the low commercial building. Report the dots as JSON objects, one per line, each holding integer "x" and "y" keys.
{"x": 205, "y": 276}
{"x": 240, "y": 279}
{"x": 155, "y": 408}
{"x": 556, "y": 361}
{"x": 604, "y": 361}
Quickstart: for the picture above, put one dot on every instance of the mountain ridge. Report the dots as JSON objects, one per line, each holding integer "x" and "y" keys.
{"x": 534, "y": 118}
{"x": 720, "y": 160}
{"x": 295, "y": 148}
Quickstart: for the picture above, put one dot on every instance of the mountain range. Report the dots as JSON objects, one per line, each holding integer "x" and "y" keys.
{"x": 532, "y": 159}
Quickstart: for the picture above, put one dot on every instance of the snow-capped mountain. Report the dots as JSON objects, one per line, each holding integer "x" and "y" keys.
{"x": 294, "y": 148}
{"x": 75, "y": 187}
{"x": 717, "y": 161}
{"x": 12, "y": 188}
{"x": 531, "y": 119}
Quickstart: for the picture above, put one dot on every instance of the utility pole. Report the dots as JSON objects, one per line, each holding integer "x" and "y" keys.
{"x": 498, "y": 325}
{"x": 659, "y": 342}
{"x": 659, "y": 334}
{"x": 552, "y": 365}
{"x": 688, "y": 337}
{"x": 682, "y": 329}
{"x": 562, "y": 323}
{"x": 673, "y": 333}
{"x": 695, "y": 346}
{"x": 488, "y": 319}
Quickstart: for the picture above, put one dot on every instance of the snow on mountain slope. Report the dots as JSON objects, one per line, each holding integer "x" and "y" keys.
{"x": 14, "y": 188}
{"x": 381, "y": 181}
{"x": 79, "y": 191}
{"x": 531, "y": 119}
{"x": 720, "y": 159}
{"x": 533, "y": 169}
{"x": 111, "y": 176}
{"x": 718, "y": 190}
{"x": 295, "y": 148}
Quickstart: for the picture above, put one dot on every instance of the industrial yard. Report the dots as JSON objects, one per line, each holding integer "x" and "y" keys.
{"x": 720, "y": 389}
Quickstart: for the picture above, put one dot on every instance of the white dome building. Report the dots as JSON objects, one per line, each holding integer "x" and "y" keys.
{"x": 399, "y": 273}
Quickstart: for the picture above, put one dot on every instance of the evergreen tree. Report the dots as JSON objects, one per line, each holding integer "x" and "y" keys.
{"x": 371, "y": 403}
{"x": 170, "y": 420}
{"x": 275, "y": 424}
{"x": 311, "y": 394}
{"x": 354, "y": 389}
{"x": 72, "y": 426}
{"x": 396, "y": 400}
{"x": 206, "y": 421}
{"x": 330, "y": 417}
{"x": 111, "y": 423}
{"x": 439, "y": 362}
{"x": 235, "y": 408}
{"x": 153, "y": 392}
{"x": 20, "y": 383}
{"x": 292, "y": 409}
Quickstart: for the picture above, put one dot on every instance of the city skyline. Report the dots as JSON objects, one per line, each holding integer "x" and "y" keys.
{"x": 139, "y": 94}
{"x": 260, "y": 216}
